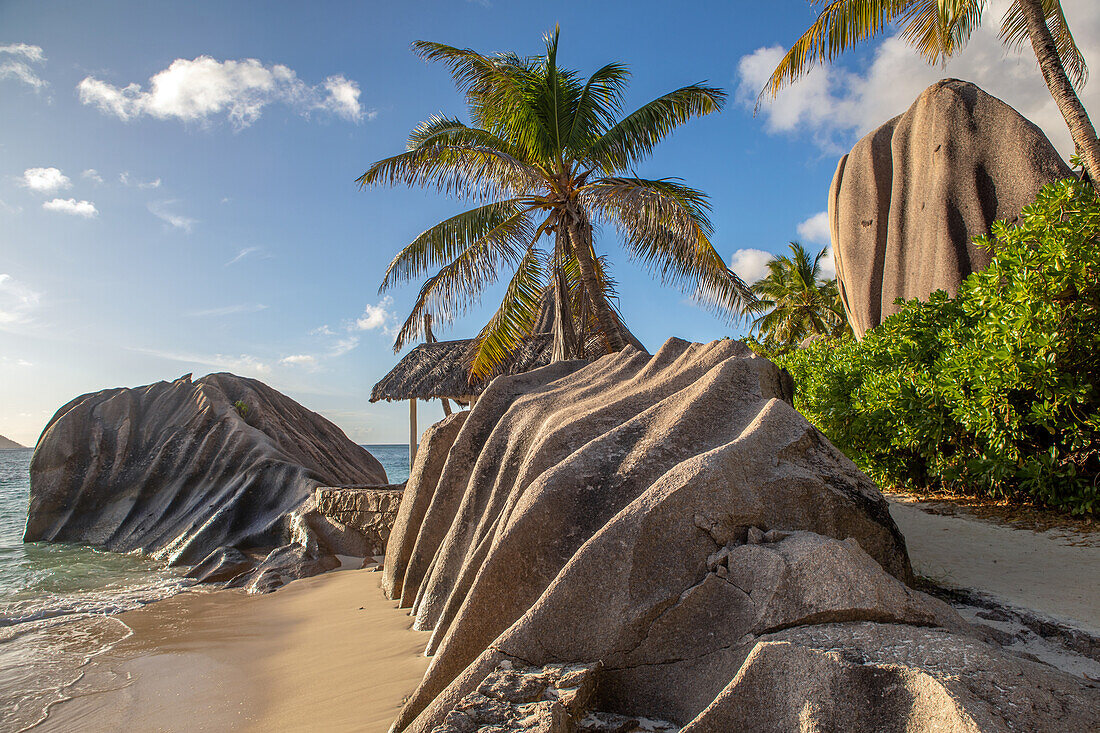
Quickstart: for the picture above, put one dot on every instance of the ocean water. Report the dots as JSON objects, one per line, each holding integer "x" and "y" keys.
{"x": 394, "y": 458}
{"x": 58, "y": 602}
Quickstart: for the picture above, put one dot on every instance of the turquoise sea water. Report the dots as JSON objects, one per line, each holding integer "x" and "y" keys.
{"x": 57, "y": 602}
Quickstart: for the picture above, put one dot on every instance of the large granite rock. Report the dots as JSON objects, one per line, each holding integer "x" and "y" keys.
{"x": 907, "y": 200}
{"x": 669, "y": 522}
{"x": 548, "y": 462}
{"x": 176, "y": 470}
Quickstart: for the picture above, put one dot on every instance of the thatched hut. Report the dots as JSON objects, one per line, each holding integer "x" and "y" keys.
{"x": 440, "y": 370}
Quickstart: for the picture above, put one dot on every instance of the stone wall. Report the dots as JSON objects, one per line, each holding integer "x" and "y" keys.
{"x": 367, "y": 511}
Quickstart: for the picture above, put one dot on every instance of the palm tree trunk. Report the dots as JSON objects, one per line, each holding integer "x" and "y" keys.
{"x": 580, "y": 234}
{"x": 1069, "y": 104}
{"x": 565, "y": 337}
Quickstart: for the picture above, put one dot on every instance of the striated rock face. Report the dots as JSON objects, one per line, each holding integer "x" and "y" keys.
{"x": 672, "y": 525}
{"x": 605, "y": 491}
{"x": 909, "y": 197}
{"x": 175, "y": 470}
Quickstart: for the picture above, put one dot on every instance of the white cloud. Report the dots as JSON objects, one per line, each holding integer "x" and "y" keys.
{"x": 17, "y": 301}
{"x": 72, "y": 207}
{"x": 159, "y": 209}
{"x": 92, "y": 175}
{"x": 750, "y": 265}
{"x": 9, "y": 361}
{"x": 126, "y": 180}
{"x": 836, "y": 106}
{"x": 15, "y": 61}
{"x": 241, "y": 255}
{"x": 27, "y": 51}
{"x": 828, "y": 266}
{"x": 815, "y": 229}
{"x": 342, "y": 98}
{"x": 375, "y": 316}
{"x": 229, "y": 310}
{"x": 244, "y": 364}
{"x": 322, "y": 331}
{"x": 45, "y": 180}
{"x": 344, "y": 345}
{"x": 197, "y": 89}
{"x": 300, "y": 360}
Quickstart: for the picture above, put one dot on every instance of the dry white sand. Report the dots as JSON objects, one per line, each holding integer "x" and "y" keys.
{"x": 328, "y": 653}
{"x": 1041, "y": 571}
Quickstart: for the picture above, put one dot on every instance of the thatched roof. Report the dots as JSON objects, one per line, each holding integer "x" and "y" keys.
{"x": 442, "y": 369}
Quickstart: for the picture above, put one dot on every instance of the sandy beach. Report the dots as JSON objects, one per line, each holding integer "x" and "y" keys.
{"x": 325, "y": 653}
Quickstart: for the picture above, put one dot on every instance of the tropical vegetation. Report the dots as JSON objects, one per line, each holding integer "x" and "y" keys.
{"x": 795, "y": 303}
{"x": 939, "y": 29}
{"x": 995, "y": 391}
{"x": 549, "y": 155}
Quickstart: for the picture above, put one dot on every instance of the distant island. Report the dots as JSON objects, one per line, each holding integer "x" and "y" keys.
{"x": 6, "y": 444}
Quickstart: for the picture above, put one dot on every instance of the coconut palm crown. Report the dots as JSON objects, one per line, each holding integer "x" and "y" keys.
{"x": 939, "y": 29}
{"x": 548, "y": 154}
{"x": 795, "y": 303}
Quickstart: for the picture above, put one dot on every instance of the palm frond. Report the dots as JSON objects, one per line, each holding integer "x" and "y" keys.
{"x": 513, "y": 320}
{"x": 633, "y": 138}
{"x": 431, "y": 129}
{"x": 497, "y": 91}
{"x": 1014, "y": 33}
{"x": 938, "y": 29}
{"x": 469, "y": 170}
{"x": 503, "y": 226}
{"x": 841, "y": 25}
{"x": 666, "y": 227}
{"x": 457, "y": 285}
{"x": 599, "y": 105}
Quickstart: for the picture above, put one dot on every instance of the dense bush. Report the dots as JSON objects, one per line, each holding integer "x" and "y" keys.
{"x": 994, "y": 391}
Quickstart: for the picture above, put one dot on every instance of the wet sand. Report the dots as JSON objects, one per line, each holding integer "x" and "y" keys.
{"x": 325, "y": 653}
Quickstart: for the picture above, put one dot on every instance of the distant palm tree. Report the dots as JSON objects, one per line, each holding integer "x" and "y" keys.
{"x": 939, "y": 29}
{"x": 794, "y": 303}
{"x": 550, "y": 155}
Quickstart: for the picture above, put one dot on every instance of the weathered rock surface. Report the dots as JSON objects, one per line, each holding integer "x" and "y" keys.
{"x": 362, "y": 516}
{"x": 870, "y": 677}
{"x": 603, "y": 494}
{"x": 420, "y": 489}
{"x": 174, "y": 469}
{"x": 551, "y": 699}
{"x": 907, "y": 200}
{"x": 672, "y": 524}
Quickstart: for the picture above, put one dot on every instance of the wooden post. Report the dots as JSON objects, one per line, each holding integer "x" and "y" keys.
{"x": 412, "y": 433}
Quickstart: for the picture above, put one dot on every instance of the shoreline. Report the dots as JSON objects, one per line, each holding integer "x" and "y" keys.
{"x": 328, "y": 652}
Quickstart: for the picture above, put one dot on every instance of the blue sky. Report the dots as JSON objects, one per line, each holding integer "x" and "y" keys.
{"x": 177, "y": 180}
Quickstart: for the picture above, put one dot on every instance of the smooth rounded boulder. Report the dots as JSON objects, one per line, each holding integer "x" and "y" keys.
{"x": 908, "y": 199}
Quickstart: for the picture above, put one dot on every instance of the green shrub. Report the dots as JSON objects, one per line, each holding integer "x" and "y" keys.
{"x": 991, "y": 392}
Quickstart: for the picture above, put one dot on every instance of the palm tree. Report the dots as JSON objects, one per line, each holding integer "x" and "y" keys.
{"x": 939, "y": 29}
{"x": 794, "y": 303}
{"x": 548, "y": 154}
